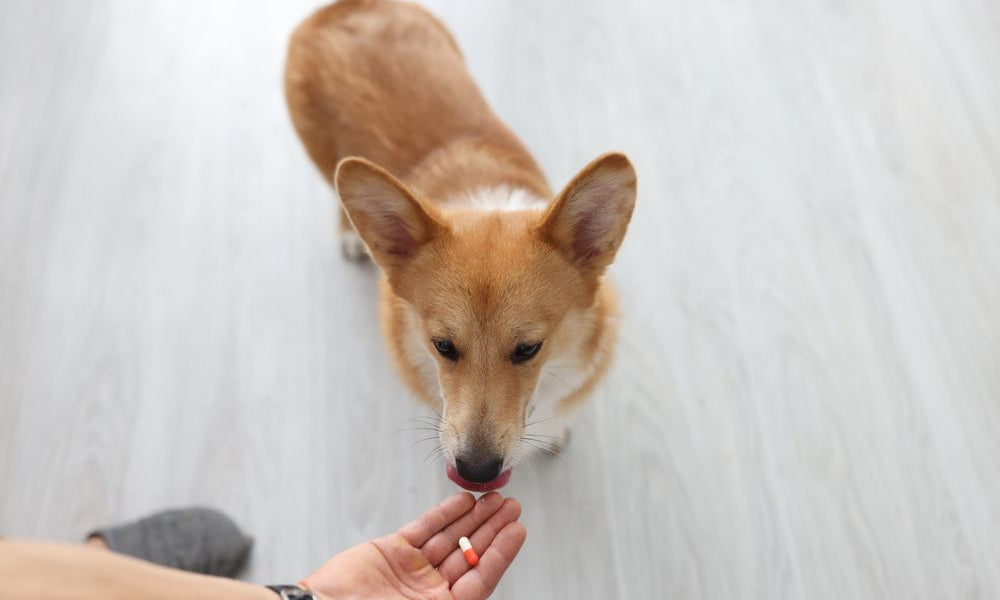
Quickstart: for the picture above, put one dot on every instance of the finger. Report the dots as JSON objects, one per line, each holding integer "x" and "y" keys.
{"x": 455, "y": 565}
{"x": 442, "y": 543}
{"x": 434, "y": 520}
{"x": 479, "y": 583}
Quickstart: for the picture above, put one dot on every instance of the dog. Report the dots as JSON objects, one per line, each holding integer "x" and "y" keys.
{"x": 493, "y": 301}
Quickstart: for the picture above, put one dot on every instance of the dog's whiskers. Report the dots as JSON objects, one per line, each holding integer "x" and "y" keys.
{"x": 537, "y": 421}
{"x": 530, "y": 438}
{"x": 426, "y": 439}
{"x": 544, "y": 446}
{"x": 537, "y": 436}
{"x": 427, "y": 420}
{"x": 437, "y": 451}
{"x": 402, "y": 429}
{"x": 544, "y": 449}
{"x": 526, "y": 463}
{"x": 559, "y": 379}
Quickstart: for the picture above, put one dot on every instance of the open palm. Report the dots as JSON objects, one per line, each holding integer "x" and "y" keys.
{"x": 422, "y": 560}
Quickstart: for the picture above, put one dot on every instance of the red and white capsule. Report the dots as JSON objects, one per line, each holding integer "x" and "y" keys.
{"x": 470, "y": 553}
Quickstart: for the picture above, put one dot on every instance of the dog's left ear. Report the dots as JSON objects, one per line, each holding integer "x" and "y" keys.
{"x": 588, "y": 219}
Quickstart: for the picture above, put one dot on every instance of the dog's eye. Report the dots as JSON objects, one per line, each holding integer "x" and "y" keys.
{"x": 446, "y": 349}
{"x": 524, "y": 352}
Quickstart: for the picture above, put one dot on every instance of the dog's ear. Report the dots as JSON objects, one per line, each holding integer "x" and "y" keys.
{"x": 587, "y": 221}
{"x": 390, "y": 219}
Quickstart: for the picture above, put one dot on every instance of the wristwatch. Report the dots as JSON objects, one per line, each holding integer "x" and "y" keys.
{"x": 292, "y": 592}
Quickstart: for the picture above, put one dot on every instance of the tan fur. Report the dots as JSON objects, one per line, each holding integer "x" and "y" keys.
{"x": 384, "y": 80}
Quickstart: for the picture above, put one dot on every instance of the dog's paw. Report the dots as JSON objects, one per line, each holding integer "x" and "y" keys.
{"x": 351, "y": 246}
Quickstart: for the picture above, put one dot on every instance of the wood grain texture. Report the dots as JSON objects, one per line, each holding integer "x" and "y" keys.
{"x": 806, "y": 402}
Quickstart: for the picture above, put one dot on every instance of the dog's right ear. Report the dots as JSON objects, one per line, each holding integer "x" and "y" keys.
{"x": 390, "y": 219}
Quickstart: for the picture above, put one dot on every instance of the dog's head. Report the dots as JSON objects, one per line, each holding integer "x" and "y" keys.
{"x": 493, "y": 294}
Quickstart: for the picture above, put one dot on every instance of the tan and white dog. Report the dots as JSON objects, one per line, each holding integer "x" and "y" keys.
{"x": 493, "y": 300}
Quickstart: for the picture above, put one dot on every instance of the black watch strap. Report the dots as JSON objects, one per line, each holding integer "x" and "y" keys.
{"x": 292, "y": 592}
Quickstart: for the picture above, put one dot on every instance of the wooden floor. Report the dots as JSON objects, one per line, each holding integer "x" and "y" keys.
{"x": 806, "y": 401}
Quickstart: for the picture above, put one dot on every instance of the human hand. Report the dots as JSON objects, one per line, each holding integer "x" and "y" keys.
{"x": 422, "y": 560}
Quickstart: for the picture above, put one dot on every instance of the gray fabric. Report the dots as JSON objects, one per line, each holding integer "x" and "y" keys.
{"x": 201, "y": 540}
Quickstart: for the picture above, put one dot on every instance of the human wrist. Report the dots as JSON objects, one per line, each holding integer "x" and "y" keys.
{"x": 306, "y": 585}
{"x": 298, "y": 591}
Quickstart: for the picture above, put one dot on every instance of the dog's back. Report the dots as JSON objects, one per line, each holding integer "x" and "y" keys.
{"x": 385, "y": 80}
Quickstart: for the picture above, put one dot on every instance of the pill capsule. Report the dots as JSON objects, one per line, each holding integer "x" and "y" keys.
{"x": 470, "y": 553}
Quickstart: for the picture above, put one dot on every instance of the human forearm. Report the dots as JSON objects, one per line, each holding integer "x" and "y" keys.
{"x": 72, "y": 572}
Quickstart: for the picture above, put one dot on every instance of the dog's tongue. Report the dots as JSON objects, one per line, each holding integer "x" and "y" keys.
{"x": 473, "y": 486}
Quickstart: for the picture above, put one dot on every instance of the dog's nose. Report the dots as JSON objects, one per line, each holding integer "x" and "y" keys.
{"x": 479, "y": 471}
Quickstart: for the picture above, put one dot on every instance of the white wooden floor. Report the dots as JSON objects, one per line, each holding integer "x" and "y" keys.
{"x": 806, "y": 402}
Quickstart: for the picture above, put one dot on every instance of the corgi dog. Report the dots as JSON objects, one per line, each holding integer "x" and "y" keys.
{"x": 493, "y": 301}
